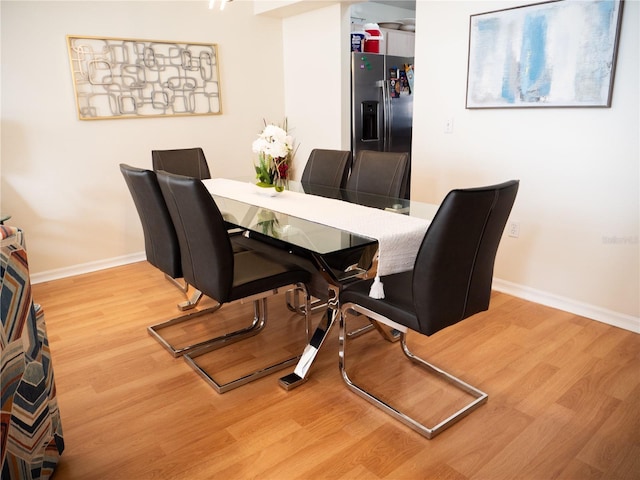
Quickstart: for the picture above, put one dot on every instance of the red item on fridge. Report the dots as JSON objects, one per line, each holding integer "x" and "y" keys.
{"x": 373, "y": 38}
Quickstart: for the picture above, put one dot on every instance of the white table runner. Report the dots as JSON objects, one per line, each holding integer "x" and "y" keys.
{"x": 399, "y": 236}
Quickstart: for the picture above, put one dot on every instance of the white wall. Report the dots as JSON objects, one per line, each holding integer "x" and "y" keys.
{"x": 578, "y": 167}
{"x": 315, "y": 93}
{"x": 60, "y": 176}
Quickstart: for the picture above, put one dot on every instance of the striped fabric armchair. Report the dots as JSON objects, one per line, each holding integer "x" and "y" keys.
{"x": 31, "y": 438}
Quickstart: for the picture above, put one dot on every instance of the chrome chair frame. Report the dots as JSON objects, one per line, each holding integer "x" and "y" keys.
{"x": 293, "y": 302}
{"x": 154, "y": 330}
{"x": 182, "y": 286}
{"x": 191, "y": 352}
{"x": 427, "y": 431}
{"x": 259, "y": 323}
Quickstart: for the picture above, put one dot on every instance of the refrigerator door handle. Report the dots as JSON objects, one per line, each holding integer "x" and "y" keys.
{"x": 386, "y": 117}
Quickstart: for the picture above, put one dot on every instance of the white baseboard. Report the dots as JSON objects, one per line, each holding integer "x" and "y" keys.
{"x": 593, "y": 312}
{"x": 86, "y": 268}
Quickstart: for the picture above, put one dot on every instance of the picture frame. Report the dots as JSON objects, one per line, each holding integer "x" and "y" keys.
{"x": 117, "y": 78}
{"x": 559, "y": 53}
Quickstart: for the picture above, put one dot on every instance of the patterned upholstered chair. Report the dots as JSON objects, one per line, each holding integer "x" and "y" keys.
{"x": 31, "y": 441}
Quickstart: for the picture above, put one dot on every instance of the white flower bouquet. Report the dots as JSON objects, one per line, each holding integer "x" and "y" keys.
{"x": 274, "y": 147}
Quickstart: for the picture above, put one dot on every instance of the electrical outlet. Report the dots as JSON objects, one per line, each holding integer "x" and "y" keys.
{"x": 514, "y": 229}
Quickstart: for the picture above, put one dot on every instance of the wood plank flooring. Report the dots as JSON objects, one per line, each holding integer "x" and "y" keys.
{"x": 564, "y": 395}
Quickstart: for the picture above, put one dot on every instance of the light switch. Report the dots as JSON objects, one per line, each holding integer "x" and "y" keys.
{"x": 448, "y": 125}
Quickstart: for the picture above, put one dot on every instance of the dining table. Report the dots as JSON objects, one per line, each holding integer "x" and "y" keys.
{"x": 347, "y": 236}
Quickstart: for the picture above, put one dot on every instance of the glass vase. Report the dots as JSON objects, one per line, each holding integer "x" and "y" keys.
{"x": 280, "y": 184}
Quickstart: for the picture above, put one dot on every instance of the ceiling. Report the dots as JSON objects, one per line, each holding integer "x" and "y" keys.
{"x": 408, "y": 4}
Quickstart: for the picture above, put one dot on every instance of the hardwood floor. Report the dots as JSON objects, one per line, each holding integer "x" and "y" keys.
{"x": 564, "y": 396}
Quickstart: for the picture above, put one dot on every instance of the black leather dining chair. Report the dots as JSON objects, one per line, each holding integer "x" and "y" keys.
{"x": 160, "y": 240}
{"x": 210, "y": 265}
{"x": 190, "y": 162}
{"x": 451, "y": 280}
{"x": 326, "y": 168}
{"x": 380, "y": 173}
{"x": 374, "y": 178}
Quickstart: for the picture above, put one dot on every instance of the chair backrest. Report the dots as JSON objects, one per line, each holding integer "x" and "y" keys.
{"x": 189, "y": 162}
{"x": 327, "y": 168}
{"x": 454, "y": 267}
{"x": 380, "y": 173}
{"x": 160, "y": 240}
{"x": 207, "y": 254}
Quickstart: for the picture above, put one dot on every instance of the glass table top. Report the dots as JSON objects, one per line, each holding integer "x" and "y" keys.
{"x": 307, "y": 235}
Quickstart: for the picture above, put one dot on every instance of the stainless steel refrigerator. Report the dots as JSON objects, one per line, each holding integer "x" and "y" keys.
{"x": 381, "y": 103}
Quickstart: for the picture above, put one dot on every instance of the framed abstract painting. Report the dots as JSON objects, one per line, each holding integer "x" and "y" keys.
{"x": 553, "y": 54}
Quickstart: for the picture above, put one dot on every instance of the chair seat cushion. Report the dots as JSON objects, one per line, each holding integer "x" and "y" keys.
{"x": 254, "y": 273}
{"x": 397, "y": 304}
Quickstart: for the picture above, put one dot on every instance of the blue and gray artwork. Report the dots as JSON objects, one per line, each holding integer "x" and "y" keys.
{"x": 553, "y": 54}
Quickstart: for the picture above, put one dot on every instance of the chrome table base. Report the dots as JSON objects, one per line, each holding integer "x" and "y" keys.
{"x": 301, "y": 372}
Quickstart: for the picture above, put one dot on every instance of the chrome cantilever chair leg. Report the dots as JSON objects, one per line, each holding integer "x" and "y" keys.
{"x": 225, "y": 339}
{"x": 192, "y": 300}
{"x": 428, "y": 432}
{"x": 361, "y": 331}
{"x": 292, "y": 298}
{"x": 183, "y": 287}
{"x": 388, "y": 333}
{"x": 260, "y": 312}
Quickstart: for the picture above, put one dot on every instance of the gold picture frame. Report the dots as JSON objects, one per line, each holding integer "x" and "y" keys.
{"x": 134, "y": 78}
